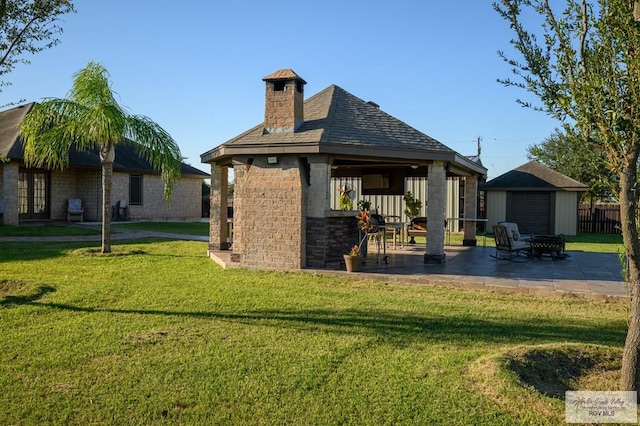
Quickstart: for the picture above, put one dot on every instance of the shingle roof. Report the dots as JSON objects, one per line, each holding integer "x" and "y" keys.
{"x": 533, "y": 176}
{"x": 10, "y": 130}
{"x": 127, "y": 159}
{"x": 335, "y": 121}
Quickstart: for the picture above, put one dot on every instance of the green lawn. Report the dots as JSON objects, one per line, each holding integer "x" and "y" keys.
{"x": 585, "y": 242}
{"x": 156, "y": 333}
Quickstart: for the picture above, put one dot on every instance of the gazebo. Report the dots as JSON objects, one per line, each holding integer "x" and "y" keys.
{"x": 283, "y": 167}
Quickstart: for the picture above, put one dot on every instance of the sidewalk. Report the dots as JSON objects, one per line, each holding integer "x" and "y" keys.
{"x": 117, "y": 233}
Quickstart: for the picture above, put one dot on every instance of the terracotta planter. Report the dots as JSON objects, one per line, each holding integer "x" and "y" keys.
{"x": 352, "y": 262}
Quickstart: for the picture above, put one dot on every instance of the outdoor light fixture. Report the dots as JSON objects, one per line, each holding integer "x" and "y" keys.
{"x": 272, "y": 160}
{"x": 414, "y": 166}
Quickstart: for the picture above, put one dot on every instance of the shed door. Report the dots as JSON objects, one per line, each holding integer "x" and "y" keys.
{"x": 532, "y": 211}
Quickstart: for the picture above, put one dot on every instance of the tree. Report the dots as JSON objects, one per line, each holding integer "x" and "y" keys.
{"x": 206, "y": 188}
{"x": 565, "y": 153}
{"x": 583, "y": 63}
{"x": 28, "y": 26}
{"x": 91, "y": 119}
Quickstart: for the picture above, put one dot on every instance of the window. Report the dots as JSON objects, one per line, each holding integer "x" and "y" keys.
{"x": 135, "y": 190}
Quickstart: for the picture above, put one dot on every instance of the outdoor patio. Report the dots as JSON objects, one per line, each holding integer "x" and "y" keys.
{"x": 584, "y": 274}
{"x": 592, "y": 275}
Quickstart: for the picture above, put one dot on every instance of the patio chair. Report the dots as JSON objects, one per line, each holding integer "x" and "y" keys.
{"x": 75, "y": 210}
{"x": 514, "y": 231}
{"x": 377, "y": 236}
{"x": 507, "y": 245}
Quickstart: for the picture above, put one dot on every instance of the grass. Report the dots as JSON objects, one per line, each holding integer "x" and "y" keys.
{"x": 533, "y": 379}
{"x": 156, "y": 333}
{"x": 602, "y": 243}
{"x": 584, "y": 242}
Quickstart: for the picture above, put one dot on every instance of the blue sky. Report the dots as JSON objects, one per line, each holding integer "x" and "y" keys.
{"x": 196, "y": 67}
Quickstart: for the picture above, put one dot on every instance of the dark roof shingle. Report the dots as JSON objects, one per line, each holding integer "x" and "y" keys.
{"x": 10, "y": 130}
{"x": 334, "y": 117}
{"x": 533, "y": 176}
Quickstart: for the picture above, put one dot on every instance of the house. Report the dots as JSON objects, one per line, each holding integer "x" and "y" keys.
{"x": 283, "y": 169}
{"x": 539, "y": 199}
{"x": 36, "y": 194}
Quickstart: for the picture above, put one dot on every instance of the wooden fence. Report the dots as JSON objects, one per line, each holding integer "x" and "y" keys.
{"x": 599, "y": 218}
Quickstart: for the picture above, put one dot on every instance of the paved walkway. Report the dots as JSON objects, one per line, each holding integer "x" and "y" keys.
{"x": 584, "y": 274}
{"x": 117, "y": 233}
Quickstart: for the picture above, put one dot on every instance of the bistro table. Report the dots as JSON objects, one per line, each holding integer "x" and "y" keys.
{"x": 396, "y": 229}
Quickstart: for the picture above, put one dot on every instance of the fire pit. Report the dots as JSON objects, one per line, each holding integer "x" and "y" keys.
{"x": 548, "y": 244}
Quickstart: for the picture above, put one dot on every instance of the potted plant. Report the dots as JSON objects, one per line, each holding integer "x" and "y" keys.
{"x": 412, "y": 210}
{"x": 344, "y": 199}
{"x": 364, "y": 205}
{"x": 412, "y": 206}
{"x": 353, "y": 259}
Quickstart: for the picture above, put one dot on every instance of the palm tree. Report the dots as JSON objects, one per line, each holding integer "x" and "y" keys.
{"x": 89, "y": 119}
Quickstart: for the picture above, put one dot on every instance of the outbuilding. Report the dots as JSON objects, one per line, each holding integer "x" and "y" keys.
{"x": 539, "y": 199}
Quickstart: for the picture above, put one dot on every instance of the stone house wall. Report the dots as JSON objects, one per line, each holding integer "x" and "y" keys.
{"x": 86, "y": 184}
{"x": 186, "y": 198}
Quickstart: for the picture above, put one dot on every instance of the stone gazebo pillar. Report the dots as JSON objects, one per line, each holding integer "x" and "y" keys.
{"x": 470, "y": 210}
{"x": 436, "y": 195}
{"x": 317, "y": 205}
{"x": 218, "y": 228}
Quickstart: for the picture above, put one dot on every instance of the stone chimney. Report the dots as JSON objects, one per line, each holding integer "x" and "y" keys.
{"x": 284, "y": 99}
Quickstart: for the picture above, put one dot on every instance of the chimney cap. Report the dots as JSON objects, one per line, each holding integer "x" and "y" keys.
{"x": 284, "y": 74}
